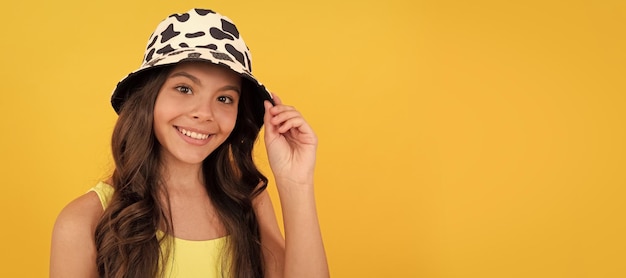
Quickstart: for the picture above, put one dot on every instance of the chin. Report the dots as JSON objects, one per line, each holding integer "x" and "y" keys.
{"x": 192, "y": 159}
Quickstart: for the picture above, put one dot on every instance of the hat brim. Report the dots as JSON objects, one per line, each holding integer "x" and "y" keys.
{"x": 257, "y": 90}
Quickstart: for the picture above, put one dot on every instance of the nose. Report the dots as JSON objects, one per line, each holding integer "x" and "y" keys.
{"x": 202, "y": 111}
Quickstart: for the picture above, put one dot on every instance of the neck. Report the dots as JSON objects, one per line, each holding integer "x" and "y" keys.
{"x": 182, "y": 177}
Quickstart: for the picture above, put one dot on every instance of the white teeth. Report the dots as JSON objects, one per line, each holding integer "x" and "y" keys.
{"x": 193, "y": 135}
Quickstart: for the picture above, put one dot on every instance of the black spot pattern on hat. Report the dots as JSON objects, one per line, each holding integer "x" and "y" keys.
{"x": 178, "y": 52}
{"x": 233, "y": 51}
{"x": 168, "y": 33}
{"x": 152, "y": 42}
{"x": 204, "y": 12}
{"x": 166, "y": 49}
{"x": 219, "y": 34}
{"x": 181, "y": 18}
{"x": 182, "y": 44}
{"x": 195, "y": 35}
{"x": 221, "y": 56}
{"x": 230, "y": 28}
{"x": 151, "y": 63}
{"x": 149, "y": 56}
{"x": 249, "y": 62}
{"x": 194, "y": 55}
{"x": 209, "y": 46}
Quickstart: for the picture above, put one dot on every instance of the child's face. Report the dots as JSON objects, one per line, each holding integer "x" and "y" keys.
{"x": 195, "y": 111}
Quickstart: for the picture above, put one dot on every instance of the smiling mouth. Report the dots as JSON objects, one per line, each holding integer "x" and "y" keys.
{"x": 192, "y": 134}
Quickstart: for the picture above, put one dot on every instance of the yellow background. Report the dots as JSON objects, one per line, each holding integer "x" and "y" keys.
{"x": 457, "y": 138}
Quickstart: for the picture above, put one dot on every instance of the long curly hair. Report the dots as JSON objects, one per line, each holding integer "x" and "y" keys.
{"x": 127, "y": 241}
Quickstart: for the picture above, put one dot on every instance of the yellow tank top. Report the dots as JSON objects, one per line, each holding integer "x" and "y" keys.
{"x": 188, "y": 258}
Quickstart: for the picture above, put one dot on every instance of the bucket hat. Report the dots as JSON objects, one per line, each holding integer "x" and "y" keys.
{"x": 197, "y": 35}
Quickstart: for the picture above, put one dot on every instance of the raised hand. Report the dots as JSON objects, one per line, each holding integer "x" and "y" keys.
{"x": 290, "y": 142}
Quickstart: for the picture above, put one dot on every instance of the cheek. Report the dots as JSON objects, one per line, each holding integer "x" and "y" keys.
{"x": 162, "y": 115}
{"x": 158, "y": 108}
{"x": 159, "y": 117}
{"x": 164, "y": 108}
{"x": 227, "y": 119}
{"x": 158, "y": 120}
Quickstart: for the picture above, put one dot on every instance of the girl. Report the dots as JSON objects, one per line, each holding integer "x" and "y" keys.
{"x": 185, "y": 198}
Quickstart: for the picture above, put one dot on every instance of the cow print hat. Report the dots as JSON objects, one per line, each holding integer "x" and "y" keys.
{"x": 197, "y": 35}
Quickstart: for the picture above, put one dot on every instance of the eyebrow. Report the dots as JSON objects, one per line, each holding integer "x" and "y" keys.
{"x": 231, "y": 87}
{"x": 184, "y": 74}
{"x": 199, "y": 82}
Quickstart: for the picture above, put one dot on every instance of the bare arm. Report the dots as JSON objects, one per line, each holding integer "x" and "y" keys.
{"x": 291, "y": 145}
{"x": 73, "y": 251}
{"x": 272, "y": 240}
{"x": 304, "y": 253}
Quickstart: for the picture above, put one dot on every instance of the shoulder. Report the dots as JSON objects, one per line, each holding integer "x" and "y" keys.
{"x": 83, "y": 213}
{"x": 73, "y": 251}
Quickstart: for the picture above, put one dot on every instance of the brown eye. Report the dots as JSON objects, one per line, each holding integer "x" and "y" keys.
{"x": 184, "y": 90}
{"x": 225, "y": 99}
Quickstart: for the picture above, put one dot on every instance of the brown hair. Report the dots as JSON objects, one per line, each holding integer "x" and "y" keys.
{"x": 126, "y": 237}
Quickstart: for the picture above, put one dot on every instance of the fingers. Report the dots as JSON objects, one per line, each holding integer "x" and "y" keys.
{"x": 282, "y": 114}
{"x": 289, "y": 124}
{"x": 281, "y": 118}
